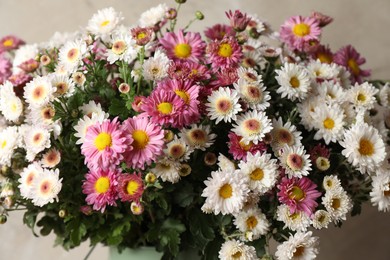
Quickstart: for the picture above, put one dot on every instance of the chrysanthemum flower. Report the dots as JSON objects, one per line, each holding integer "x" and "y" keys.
{"x": 45, "y": 187}
{"x": 100, "y": 188}
{"x": 10, "y": 42}
{"x": 299, "y": 246}
{"x": 297, "y": 221}
{"x": 323, "y": 54}
{"x": 351, "y": 59}
{"x": 178, "y": 150}
{"x": 198, "y": 136}
{"x": 337, "y": 203}
{"x": 329, "y": 122}
{"x": 239, "y": 149}
{"x": 142, "y": 35}
{"x": 298, "y": 30}
{"x": 122, "y": 48}
{"x": 104, "y": 145}
{"x": 153, "y": 16}
{"x": 252, "y": 220}
{"x": 219, "y": 31}
{"x": 104, "y": 22}
{"x": 9, "y": 141}
{"x": 130, "y": 187}
{"x": 35, "y": 138}
{"x": 167, "y": 170}
{"x": 27, "y": 176}
{"x": 235, "y": 249}
{"x": 183, "y": 46}
{"x": 71, "y": 55}
{"x": 51, "y": 158}
{"x": 253, "y": 94}
{"x": 362, "y": 96}
{"x": 380, "y": 194}
{"x": 295, "y": 161}
{"x": 85, "y": 122}
{"x": 223, "y": 105}
{"x": 299, "y": 194}
{"x": 238, "y": 20}
{"x": 11, "y": 106}
{"x": 64, "y": 86}
{"x": 321, "y": 219}
{"x": 156, "y": 68}
{"x": 331, "y": 182}
{"x": 224, "y": 53}
{"x": 146, "y": 140}
{"x": 284, "y": 134}
{"x": 306, "y": 110}
{"x": 39, "y": 91}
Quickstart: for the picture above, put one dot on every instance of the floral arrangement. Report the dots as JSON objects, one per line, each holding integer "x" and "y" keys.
{"x": 148, "y": 135}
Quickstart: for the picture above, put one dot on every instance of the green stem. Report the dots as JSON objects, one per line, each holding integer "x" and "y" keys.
{"x": 90, "y": 252}
{"x": 189, "y": 24}
{"x": 173, "y": 22}
{"x": 141, "y": 60}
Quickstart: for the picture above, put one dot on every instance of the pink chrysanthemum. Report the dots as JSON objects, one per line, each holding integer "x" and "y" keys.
{"x": 178, "y": 70}
{"x": 238, "y": 20}
{"x": 198, "y": 71}
{"x": 10, "y": 42}
{"x": 163, "y": 107}
{"x": 100, "y": 188}
{"x": 324, "y": 54}
{"x": 239, "y": 149}
{"x": 183, "y": 47}
{"x": 225, "y": 77}
{"x": 5, "y": 68}
{"x": 147, "y": 142}
{"x": 104, "y": 145}
{"x": 189, "y": 93}
{"x": 224, "y": 53}
{"x": 299, "y": 194}
{"x": 318, "y": 151}
{"x": 351, "y": 59}
{"x": 298, "y": 30}
{"x": 130, "y": 187}
{"x": 219, "y": 31}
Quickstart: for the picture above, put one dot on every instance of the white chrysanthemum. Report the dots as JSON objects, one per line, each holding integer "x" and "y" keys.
{"x": 331, "y": 92}
{"x": 153, "y": 16}
{"x": 225, "y": 192}
{"x": 261, "y": 171}
{"x": 302, "y": 246}
{"x": 384, "y": 95}
{"x": 253, "y": 94}
{"x": 122, "y": 48}
{"x": 27, "y": 177}
{"x": 167, "y": 170}
{"x": 319, "y": 70}
{"x": 331, "y": 182}
{"x": 321, "y": 219}
{"x": 10, "y": 105}
{"x": 92, "y": 107}
{"x": 252, "y": 126}
{"x": 363, "y": 95}
{"x": 252, "y": 221}
{"x": 60, "y": 38}
{"x": 36, "y": 139}
{"x": 297, "y": 221}
{"x": 39, "y": 92}
{"x": 225, "y": 164}
{"x": 41, "y": 115}
{"x": 284, "y": 134}
{"x": 51, "y": 158}
{"x": 223, "y": 105}
{"x": 156, "y": 67}
{"x": 8, "y": 143}
{"x": 198, "y": 136}
{"x": 71, "y": 55}
{"x": 337, "y": 203}
{"x": 294, "y": 81}
{"x": 380, "y": 194}
{"x": 237, "y": 250}
{"x": 249, "y": 75}
{"x": 342, "y": 76}
{"x": 63, "y": 85}
{"x": 22, "y": 54}
{"x": 306, "y": 110}
{"x": 82, "y": 125}
{"x": 45, "y": 187}
{"x": 104, "y": 22}
{"x": 363, "y": 147}
{"x": 295, "y": 161}
{"x": 178, "y": 150}
{"x": 329, "y": 122}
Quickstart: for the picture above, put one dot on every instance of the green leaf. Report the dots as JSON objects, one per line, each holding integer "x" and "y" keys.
{"x": 200, "y": 228}
{"x": 170, "y": 238}
{"x": 184, "y": 195}
{"x": 118, "y": 108}
{"x": 173, "y": 224}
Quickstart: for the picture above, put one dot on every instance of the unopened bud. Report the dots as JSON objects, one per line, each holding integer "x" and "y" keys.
{"x": 3, "y": 219}
{"x": 168, "y": 136}
{"x": 210, "y": 158}
{"x": 199, "y": 15}
{"x": 45, "y": 60}
{"x": 62, "y": 213}
{"x": 322, "y": 163}
{"x": 124, "y": 88}
{"x": 150, "y": 178}
{"x": 181, "y": 1}
{"x": 8, "y": 202}
{"x": 171, "y": 14}
{"x": 184, "y": 170}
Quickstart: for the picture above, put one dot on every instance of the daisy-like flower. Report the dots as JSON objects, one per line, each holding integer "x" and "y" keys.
{"x": 122, "y": 48}
{"x": 253, "y": 94}
{"x": 27, "y": 177}
{"x": 261, "y": 170}
{"x": 10, "y": 105}
{"x": 219, "y": 31}
{"x": 100, "y": 188}
{"x": 321, "y": 219}
{"x": 185, "y": 47}
{"x": 22, "y": 54}
{"x": 223, "y": 105}
{"x": 156, "y": 68}
{"x": 225, "y": 164}
{"x": 321, "y": 71}
{"x": 130, "y": 187}
{"x": 178, "y": 150}
{"x": 9, "y": 137}
{"x": 380, "y": 194}
{"x": 224, "y": 53}
{"x": 329, "y": 122}
{"x": 153, "y": 16}
{"x": 323, "y": 54}
{"x": 331, "y": 182}
{"x": 295, "y": 161}
{"x": 351, "y": 59}
{"x": 284, "y": 134}
{"x": 51, "y": 158}
{"x": 294, "y": 81}
{"x": 249, "y": 75}
{"x": 104, "y": 145}
{"x": 167, "y": 170}
{"x": 84, "y": 123}
{"x": 104, "y": 22}
{"x": 331, "y": 92}
{"x": 64, "y": 86}
{"x": 299, "y": 194}
{"x": 45, "y": 187}
{"x": 91, "y": 108}
{"x": 10, "y": 42}
{"x": 298, "y": 30}
{"x": 306, "y": 110}
{"x": 297, "y": 221}
{"x": 146, "y": 139}
{"x": 198, "y": 136}
{"x": 252, "y": 220}
{"x": 225, "y": 192}
{"x": 299, "y": 246}
{"x": 337, "y": 203}
{"x": 71, "y": 55}
{"x": 252, "y": 126}
{"x": 36, "y": 138}
{"x": 236, "y": 250}
{"x": 39, "y": 91}
{"x": 363, "y": 96}
{"x": 239, "y": 149}
{"x": 363, "y": 147}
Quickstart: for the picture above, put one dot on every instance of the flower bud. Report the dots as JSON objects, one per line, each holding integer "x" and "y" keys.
{"x": 8, "y": 202}
{"x": 184, "y": 170}
{"x": 254, "y": 33}
{"x": 322, "y": 163}
{"x": 62, "y": 213}
{"x": 181, "y": 1}
{"x": 3, "y": 219}
{"x": 210, "y": 158}
{"x": 87, "y": 210}
{"x": 124, "y": 88}
{"x": 171, "y": 14}
{"x": 199, "y": 15}
{"x": 137, "y": 208}
{"x": 150, "y": 178}
{"x": 45, "y": 60}
{"x": 168, "y": 136}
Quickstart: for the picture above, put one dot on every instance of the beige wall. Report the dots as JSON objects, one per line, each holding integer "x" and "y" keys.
{"x": 362, "y": 23}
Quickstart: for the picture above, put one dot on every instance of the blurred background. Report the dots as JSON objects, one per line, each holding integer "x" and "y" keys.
{"x": 361, "y": 23}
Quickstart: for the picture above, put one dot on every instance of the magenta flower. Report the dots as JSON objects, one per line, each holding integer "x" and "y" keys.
{"x": 104, "y": 145}
{"x": 5, "y": 68}
{"x": 319, "y": 151}
{"x": 225, "y": 53}
{"x": 130, "y": 187}
{"x": 219, "y": 31}
{"x": 179, "y": 70}
{"x": 298, "y": 30}
{"x": 239, "y": 150}
{"x": 322, "y": 19}
{"x": 324, "y": 54}
{"x": 100, "y": 188}
{"x": 238, "y": 20}
{"x": 299, "y": 194}
{"x": 183, "y": 47}
{"x": 351, "y": 59}
{"x": 10, "y": 42}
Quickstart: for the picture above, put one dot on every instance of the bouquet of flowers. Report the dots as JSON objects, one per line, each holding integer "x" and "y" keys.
{"x": 149, "y": 135}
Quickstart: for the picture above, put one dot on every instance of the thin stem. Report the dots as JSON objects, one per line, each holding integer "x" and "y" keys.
{"x": 189, "y": 24}
{"x": 90, "y": 252}
{"x": 141, "y": 60}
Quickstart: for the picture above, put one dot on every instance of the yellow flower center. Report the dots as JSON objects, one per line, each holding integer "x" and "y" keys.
{"x": 102, "y": 141}
{"x": 361, "y": 97}
{"x": 102, "y": 185}
{"x": 328, "y": 123}
{"x": 14, "y": 107}
{"x": 3, "y": 144}
{"x": 182, "y": 50}
{"x": 119, "y": 47}
{"x": 237, "y": 255}
{"x": 183, "y": 95}
{"x": 165, "y": 108}
{"x": 294, "y": 82}
{"x": 8, "y": 43}
{"x": 257, "y": 174}
{"x": 352, "y": 64}
{"x": 296, "y": 193}
{"x": 225, "y": 50}
{"x": 336, "y": 203}
{"x": 104, "y": 23}
{"x": 325, "y": 58}
{"x": 226, "y": 191}
{"x": 251, "y": 222}
{"x": 366, "y": 147}
{"x": 132, "y": 187}
{"x": 141, "y": 139}
{"x": 246, "y": 147}
{"x": 301, "y": 29}
{"x": 141, "y": 35}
